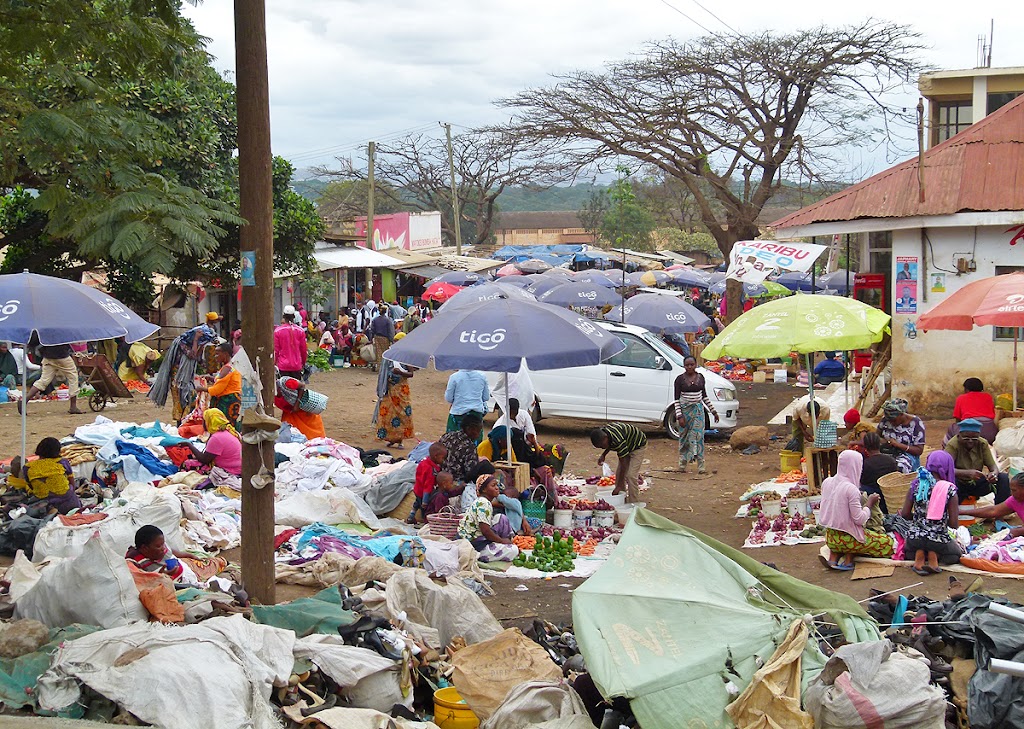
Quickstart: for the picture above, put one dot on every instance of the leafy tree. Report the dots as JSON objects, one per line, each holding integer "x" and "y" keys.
{"x": 77, "y": 131}
{"x": 673, "y": 239}
{"x": 114, "y": 138}
{"x": 592, "y": 213}
{"x": 626, "y": 223}
{"x": 728, "y": 115}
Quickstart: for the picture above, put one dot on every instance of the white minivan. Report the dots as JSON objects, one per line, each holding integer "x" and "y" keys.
{"x": 636, "y": 385}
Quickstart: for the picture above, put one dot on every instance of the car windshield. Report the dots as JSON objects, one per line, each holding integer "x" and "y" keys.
{"x": 662, "y": 349}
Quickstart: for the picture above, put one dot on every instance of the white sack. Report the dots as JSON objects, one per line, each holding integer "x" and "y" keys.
{"x": 534, "y": 702}
{"x": 340, "y": 718}
{"x": 1010, "y": 442}
{"x": 94, "y": 588}
{"x": 216, "y": 675}
{"x": 437, "y": 613}
{"x": 143, "y": 505}
{"x": 331, "y": 506}
{"x": 345, "y": 664}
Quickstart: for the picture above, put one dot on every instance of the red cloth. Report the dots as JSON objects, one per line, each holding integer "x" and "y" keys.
{"x": 284, "y": 537}
{"x": 426, "y": 477}
{"x": 79, "y": 519}
{"x": 178, "y": 454}
{"x": 974, "y": 405}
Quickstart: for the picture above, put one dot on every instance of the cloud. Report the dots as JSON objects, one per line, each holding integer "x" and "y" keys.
{"x": 345, "y": 71}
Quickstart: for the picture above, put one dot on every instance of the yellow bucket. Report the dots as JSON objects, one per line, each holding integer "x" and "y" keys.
{"x": 451, "y": 712}
{"x": 790, "y": 460}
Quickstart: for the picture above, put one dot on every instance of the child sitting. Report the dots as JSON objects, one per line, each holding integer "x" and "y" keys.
{"x": 150, "y": 554}
{"x": 49, "y": 478}
{"x": 426, "y": 480}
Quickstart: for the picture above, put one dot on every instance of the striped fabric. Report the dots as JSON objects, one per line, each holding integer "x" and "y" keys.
{"x": 625, "y": 438}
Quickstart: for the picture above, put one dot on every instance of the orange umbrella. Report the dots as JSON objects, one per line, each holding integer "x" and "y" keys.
{"x": 996, "y": 301}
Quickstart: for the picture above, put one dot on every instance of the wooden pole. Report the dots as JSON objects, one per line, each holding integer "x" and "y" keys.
{"x": 455, "y": 192}
{"x": 371, "y": 152}
{"x": 255, "y": 180}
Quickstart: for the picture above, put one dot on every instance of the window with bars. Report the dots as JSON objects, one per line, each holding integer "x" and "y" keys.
{"x": 953, "y": 118}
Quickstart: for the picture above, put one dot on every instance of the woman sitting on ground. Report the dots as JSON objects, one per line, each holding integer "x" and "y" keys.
{"x": 902, "y": 434}
{"x": 974, "y": 403}
{"x": 1013, "y": 505}
{"x": 222, "y": 455}
{"x": 226, "y": 386}
{"x": 843, "y": 516}
{"x": 47, "y": 479}
{"x": 463, "y": 462}
{"x": 931, "y": 507}
{"x": 876, "y": 465}
{"x": 490, "y": 536}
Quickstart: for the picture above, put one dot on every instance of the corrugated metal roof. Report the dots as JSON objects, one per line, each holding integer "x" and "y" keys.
{"x": 427, "y": 271}
{"x": 979, "y": 170}
{"x": 353, "y": 257}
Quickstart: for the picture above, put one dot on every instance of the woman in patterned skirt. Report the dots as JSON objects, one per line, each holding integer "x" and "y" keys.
{"x": 393, "y": 415}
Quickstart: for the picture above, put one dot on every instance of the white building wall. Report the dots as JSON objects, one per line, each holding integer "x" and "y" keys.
{"x": 930, "y": 367}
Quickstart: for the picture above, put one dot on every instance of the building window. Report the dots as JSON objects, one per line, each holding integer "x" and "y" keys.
{"x": 997, "y": 101}
{"x": 1005, "y": 334}
{"x": 953, "y": 118}
{"x": 880, "y": 252}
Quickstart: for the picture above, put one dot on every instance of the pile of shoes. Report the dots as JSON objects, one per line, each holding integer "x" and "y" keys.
{"x": 373, "y": 632}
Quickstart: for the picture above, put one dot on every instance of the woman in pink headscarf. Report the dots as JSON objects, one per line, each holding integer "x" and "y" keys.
{"x": 844, "y": 514}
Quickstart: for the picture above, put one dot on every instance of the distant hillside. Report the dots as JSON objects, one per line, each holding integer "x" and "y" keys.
{"x": 522, "y": 199}
{"x": 309, "y": 189}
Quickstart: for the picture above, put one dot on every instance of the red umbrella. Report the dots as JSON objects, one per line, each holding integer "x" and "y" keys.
{"x": 509, "y": 269}
{"x": 996, "y": 301}
{"x": 440, "y": 292}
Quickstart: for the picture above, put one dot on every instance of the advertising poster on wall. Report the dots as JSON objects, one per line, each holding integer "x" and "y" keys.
{"x": 906, "y": 285}
{"x": 938, "y": 282}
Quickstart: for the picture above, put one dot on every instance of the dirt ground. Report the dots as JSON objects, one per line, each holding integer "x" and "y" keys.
{"x": 702, "y": 502}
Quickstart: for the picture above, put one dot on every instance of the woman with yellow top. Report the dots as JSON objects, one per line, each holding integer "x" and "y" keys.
{"x": 48, "y": 478}
{"x": 138, "y": 360}
{"x": 226, "y": 388}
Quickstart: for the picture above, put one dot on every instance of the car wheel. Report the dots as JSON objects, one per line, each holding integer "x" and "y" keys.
{"x": 672, "y": 428}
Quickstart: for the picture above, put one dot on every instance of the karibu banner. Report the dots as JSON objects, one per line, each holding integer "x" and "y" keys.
{"x": 752, "y": 261}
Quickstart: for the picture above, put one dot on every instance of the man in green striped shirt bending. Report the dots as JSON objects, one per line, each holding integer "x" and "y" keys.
{"x": 630, "y": 444}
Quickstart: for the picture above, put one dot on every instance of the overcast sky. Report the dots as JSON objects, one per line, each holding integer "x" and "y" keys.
{"x": 343, "y": 72}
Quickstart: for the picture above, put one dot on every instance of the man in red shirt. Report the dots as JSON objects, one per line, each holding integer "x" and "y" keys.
{"x": 290, "y": 348}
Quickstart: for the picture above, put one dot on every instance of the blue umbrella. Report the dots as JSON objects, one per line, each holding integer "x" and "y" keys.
{"x": 684, "y": 277}
{"x": 618, "y": 277}
{"x": 499, "y": 334}
{"x": 460, "y": 278}
{"x": 716, "y": 276}
{"x": 544, "y": 284}
{"x": 580, "y": 294}
{"x": 836, "y": 280}
{"x": 517, "y": 282}
{"x": 750, "y": 290}
{"x": 797, "y": 281}
{"x": 558, "y": 271}
{"x": 61, "y": 312}
{"x": 473, "y": 295}
{"x": 596, "y": 277}
{"x": 663, "y": 314}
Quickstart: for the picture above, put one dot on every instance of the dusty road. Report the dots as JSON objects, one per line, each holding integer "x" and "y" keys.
{"x": 702, "y": 502}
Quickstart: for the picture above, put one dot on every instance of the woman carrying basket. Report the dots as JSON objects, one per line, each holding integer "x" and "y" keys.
{"x": 301, "y": 407}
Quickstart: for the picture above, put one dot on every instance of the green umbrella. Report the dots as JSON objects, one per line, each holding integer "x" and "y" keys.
{"x": 803, "y": 323}
{"x": 773, "y": 289}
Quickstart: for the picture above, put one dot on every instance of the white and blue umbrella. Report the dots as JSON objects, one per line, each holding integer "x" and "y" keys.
{"x": 473, "y": 295}
{"x": 580, "y": 294}
{"x": 597, "y": 277}
{"x": 516, "y": 282}
{"x": 499, "y": 334}
{"x": 60, "y": 311}
{"x": 662, "y": 314}
{"x": 836, "y": 280}
{"x": 795, "y": 281}
{"x": 543, "y": 284}
{"x": 460, "y": 278}
{"x": 692, "y": 279}
{"x": 750, "y": 290}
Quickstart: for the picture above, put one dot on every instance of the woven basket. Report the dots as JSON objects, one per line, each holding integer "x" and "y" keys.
{"x": 894, "y": 488}
{"x": 445, "y": 523}
{"x": 532, "y": 508}
{"x": 313, "y": 402}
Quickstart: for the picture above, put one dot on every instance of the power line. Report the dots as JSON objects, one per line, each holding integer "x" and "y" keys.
{"x": 305, "y": 155}
{"x": 699, "y": 25}
{"x": 702, "y": 7}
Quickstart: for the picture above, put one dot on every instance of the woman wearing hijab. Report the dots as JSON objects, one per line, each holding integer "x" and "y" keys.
{"x": 902, "y": 434}
{"x": 844, "y": 516}
{"x": 931, "y": 507}
{"x": 223, "y": 451}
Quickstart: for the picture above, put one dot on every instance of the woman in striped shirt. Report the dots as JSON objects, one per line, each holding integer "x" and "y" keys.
{"x": 691, "y": 399}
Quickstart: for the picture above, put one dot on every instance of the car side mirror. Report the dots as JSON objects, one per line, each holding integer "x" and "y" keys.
{"x": 660, "y": 362}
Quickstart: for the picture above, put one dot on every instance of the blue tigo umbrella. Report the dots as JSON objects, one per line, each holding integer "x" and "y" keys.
{"x": 683, "y": 277}
{"x": 580, "y": 294}
{"x": 543, "y": 284}
{"x": 750, "y": 290}
{"x": 499, "y": 334}
{"x": 663, "y": 314}
{"x": 475, "y": 294}
{"x": 597, "y": 277}
{"x": 460, "y": 278}
{"x": 63, "y": 311}
{"x": 795, "y": 281}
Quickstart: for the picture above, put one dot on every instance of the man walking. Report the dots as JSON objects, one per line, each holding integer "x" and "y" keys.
{"x": 382, "y": 332}
{"x": 290, "y": 348}
{"x": 57, "y": 360}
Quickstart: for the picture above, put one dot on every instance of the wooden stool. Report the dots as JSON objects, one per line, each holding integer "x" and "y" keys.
{"x": 820, "y": 463}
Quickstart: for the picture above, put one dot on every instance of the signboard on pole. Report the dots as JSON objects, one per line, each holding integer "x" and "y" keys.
{"x": 752, "y": 261}
{"x": 411, "y": 231}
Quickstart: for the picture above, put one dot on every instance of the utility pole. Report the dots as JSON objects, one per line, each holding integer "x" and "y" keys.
{"x": 256, "y": 206}
{"x": 455, "y": 192}
{"x": 371, "y": 153}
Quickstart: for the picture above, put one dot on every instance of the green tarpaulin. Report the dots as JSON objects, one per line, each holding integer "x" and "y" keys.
{"x": 674, "y": 617}
{"x": 18, "y": 676}
{"x": 321, "y": 613}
